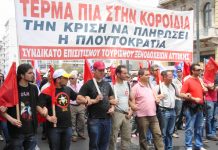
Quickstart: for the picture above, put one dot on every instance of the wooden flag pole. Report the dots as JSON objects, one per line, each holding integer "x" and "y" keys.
{"x": 96, "y": 86}
{"x": 54, "y": 113}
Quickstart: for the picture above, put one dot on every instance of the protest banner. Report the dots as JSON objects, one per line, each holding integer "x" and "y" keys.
{"x": 109, "y": 29}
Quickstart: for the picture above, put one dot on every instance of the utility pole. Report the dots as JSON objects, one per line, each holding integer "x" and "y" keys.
{"x": 197, "y": 32}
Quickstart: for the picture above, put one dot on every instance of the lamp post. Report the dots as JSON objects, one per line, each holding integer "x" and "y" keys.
{"x": 197, "y": 32}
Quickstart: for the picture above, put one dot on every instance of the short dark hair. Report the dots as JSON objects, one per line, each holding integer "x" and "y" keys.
{"x": 142, "y": 71}
{"x": 22, "y": 69}
{"x": 192, "y": 67}
{"x": 154, "y": 66}
{"x": 164, "y": 73}
{"x": 119, "y": 69}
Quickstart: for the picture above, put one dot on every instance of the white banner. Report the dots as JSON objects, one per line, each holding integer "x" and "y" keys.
{"x": 106, "y": 29}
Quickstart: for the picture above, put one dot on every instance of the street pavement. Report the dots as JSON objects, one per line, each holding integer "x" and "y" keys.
{"x": 83, "y": 144}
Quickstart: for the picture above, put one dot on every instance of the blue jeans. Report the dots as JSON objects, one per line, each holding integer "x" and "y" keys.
{"x": 167, "y": 118}
{"x": 210, "y": 119}
{"x": 99, "y": 133}
{"x": 194, "y": 122}
{"x": 4, "y": 128}
{"x": 59, "y": 138}
{"x": 20, "y": 142}
{"x": 149, "y": 135}
{"x": 178, "y": 109}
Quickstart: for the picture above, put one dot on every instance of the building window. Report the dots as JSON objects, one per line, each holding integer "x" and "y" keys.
{"x": 207, "y": 15}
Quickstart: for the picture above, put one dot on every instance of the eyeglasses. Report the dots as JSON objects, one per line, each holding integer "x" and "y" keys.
{"x": 71, "y": 78}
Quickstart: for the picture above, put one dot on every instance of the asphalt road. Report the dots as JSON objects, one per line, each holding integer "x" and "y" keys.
{"x": 83, "y": 144}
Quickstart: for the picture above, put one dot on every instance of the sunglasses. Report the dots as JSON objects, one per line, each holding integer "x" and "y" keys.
{"x": 156, "y": 69}
{"x": 197, "y": 69}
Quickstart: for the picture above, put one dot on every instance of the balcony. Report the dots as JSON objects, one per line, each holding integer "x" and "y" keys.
{"x": 164, "y": 2}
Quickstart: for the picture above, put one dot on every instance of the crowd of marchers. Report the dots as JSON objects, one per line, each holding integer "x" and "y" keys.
{"x": 123, "y": 106}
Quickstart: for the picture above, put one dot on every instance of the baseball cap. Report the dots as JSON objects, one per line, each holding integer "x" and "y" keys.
{"x": 99, "y": 65}
{"x": 60, "y": 72}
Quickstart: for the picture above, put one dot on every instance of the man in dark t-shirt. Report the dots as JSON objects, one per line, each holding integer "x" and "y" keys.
{"x": 99, "y": 108}
{"x": 23, "y": 132}
{"x": 59, "y": 137}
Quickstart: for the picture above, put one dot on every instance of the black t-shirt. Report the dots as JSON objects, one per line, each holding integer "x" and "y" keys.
{"x": 99, "y": 110}
{"x": 25, "y": 110}
{"x": 62, "y": 106}
{"x": 28, "y": 96}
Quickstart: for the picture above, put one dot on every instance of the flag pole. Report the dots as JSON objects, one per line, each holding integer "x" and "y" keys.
{"x": 54, "y": 113}
{"x": 96, "y": 85}
{"x": 51, "y": 68}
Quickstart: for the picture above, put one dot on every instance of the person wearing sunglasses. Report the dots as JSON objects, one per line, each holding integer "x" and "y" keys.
{"x": 192, "y": 91}
{"x": 77, "y": 110}
{"x": 59, "y": 136}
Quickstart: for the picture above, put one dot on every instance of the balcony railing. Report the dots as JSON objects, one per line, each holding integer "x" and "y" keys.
{"x": 162, "y": 2}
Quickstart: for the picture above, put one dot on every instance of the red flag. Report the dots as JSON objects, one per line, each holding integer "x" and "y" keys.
{"x": 51, "y": 89}
{"x": 210, "y": 70}
{"x": 113, "y": 76}
{"x": 140, "y": 65}
{"x": 9, "y": 90}
{"x": 158, "y": 78}
{"x": 87, "y": 72}
{"x": 186, "y": 69}
{"x": 149, "y": 65}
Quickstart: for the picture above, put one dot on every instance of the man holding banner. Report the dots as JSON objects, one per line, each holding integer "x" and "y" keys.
{"x": 22, "y": 121}
{"x": 58, "y": 117}
{"x": 97, "y": 96}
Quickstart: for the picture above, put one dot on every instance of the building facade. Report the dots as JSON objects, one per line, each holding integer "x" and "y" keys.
{"x": 10, "y": 45}
{"x": 208, "y": 24}
{"x": 2, "y": 56}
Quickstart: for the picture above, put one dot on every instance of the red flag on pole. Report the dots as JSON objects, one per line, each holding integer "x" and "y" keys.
{"x": 210, "y": 70}
{"x": 51, "y": 89}
{"x": 87, "y": 72}
{"x": 51, "y": 92}
{"x": 186, "y": 69}
{"x": 9, "y": 90}
{"x": 113, "y": 76}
